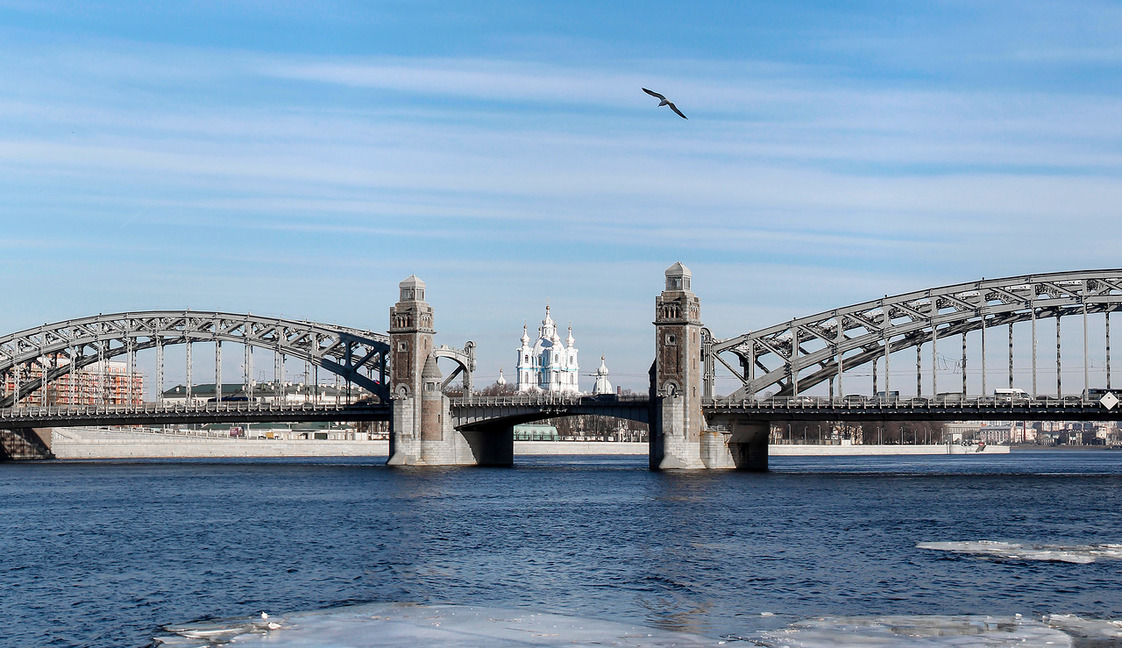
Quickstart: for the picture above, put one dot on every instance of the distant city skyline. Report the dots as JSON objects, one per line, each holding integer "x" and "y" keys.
{"x": 300, "y": 159}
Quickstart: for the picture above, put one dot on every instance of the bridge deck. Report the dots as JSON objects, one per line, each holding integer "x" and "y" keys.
{"x": 473, "y": 411}
{"x": 152, "y": 414}
{"x": 810, "y": 408}
{"x": 476, "y": 411}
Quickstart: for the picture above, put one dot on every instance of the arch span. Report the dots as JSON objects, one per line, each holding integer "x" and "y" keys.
{"x": 478, "y": 413}
{"x": 465, "y": 363}
{"x": 797, "y": 355}
{"x": 344, "y": 351}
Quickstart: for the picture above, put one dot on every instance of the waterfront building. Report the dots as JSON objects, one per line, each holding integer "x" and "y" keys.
{"x": 535, "y": 432}
{"x": 106, "y": 382}
{"x": 264, "y": 392}
{"x": 548, "y": 365}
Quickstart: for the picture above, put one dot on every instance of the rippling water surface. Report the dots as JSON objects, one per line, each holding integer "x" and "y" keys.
{"x": 107, "y": 553}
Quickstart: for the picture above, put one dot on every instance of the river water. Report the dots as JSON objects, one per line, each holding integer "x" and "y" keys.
{"x": 820, "y": 548}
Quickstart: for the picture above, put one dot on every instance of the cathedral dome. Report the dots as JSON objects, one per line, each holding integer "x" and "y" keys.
{"x": 548, "y": 364}
{"x": 602, "y": 385}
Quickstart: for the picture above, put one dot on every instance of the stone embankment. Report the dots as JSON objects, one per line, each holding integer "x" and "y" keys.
{"x": 90, "y": 443}
{"x": 885, "y": 450}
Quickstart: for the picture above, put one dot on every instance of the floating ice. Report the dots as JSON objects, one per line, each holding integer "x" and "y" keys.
{"x": 916, "y": 632}
{"x": 1018, "y": 551}
{"x": 450, "y": 626}
{"x": 1094, "y": 629}
{"x": 447, "y": 626}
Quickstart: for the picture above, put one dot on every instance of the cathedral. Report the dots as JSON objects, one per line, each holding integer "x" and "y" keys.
{"x": 547, "y": 365}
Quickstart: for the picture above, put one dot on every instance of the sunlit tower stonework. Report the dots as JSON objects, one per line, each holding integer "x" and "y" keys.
{"x": 422, "y": 432}
{"x": 681, "y": 436}
{"x": 677, "y": 380}
{"x": 411, "y": 331}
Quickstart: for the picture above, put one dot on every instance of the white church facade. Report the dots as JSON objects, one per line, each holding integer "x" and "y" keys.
{"x": 548, "y": 365}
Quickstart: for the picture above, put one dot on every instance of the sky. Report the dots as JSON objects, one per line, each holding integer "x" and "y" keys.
{"x": 299, "y": 159}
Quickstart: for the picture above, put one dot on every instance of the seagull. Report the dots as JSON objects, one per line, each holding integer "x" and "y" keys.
{"x": 664, "y": 102}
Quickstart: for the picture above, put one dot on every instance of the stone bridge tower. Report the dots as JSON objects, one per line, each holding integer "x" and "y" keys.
{"x": 677, "y": 419}
{"x": 422, "y": 432}
{"x": 680, "y": 434}
{"x": 411, "y": 331}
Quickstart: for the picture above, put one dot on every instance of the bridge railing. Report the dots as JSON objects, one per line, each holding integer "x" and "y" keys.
{"x": 941, "y": 402}
{"x": 545, "y": 399}
{"x": 62, "y": 411}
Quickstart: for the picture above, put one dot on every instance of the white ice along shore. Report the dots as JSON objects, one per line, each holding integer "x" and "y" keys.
{"x": 1028, "y": 551}
{"x": 445, "y": 626}
{"x": 451, "y": 626}
{"x": 962, "y": 631}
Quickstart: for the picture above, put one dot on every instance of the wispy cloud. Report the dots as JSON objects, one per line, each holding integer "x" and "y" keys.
{"x": 792, "y": 187}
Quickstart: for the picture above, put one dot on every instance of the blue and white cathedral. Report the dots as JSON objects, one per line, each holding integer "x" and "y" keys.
{"x": 547, "y": 365}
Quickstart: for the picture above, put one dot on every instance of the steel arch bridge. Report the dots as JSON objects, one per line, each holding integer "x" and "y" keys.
{"x": 357, "y": 356}
{"x": 794, "y": 356}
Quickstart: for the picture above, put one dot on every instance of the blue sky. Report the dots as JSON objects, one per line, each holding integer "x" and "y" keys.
{"x": 301, "y": 158}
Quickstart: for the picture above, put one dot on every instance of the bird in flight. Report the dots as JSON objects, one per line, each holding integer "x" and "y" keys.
{"x": 663, "y": 102}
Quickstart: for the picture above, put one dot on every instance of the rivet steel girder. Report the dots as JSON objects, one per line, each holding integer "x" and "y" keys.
{"x": 340, "y": 350}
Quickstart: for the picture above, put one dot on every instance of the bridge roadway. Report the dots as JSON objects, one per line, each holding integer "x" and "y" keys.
{"x": 153, "y": 414}
{"x": 468, "y": 413}
{"x": 482, "y": 412}
{"x": 944, "y": 408}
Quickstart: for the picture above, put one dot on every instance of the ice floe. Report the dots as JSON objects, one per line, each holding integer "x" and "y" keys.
{"x": 1024, "y": 551}
{"x": 967, "y": 631}
{"x": 1102, "y": 631}
{"x": 446, "y": 626}
{"x": 451, "y": 626}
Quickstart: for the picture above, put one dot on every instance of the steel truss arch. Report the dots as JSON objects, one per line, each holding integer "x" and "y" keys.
{"x": 796, "y": 355}
{"x": 344, "y": 351}
{"x": 465, "y": 363}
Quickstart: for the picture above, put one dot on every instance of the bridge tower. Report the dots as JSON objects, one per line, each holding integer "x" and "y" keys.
{"x": 677, "y": 419}
{"x": 680, "y": 435}
{"x": 411, "y": 331}
{"x": 421, "y": 430}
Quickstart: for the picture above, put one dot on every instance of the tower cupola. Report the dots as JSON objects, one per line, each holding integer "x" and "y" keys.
{"x": 678, "y": 278}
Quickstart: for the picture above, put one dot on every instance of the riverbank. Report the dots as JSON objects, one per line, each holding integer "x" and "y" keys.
{"x": 881, "y": 450}
{"x": 92, "y": 443}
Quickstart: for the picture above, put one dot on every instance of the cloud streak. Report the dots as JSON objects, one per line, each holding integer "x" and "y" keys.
{"x": 544, "y": 178}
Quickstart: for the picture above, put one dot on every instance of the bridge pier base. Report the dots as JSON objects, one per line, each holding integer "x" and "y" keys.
{"x": 672, "y": 445}
{"x": 732, "y": 445}
{"x": 405, "y": 446}
{"x": 740, "y": 445}
{"x": 492, "y": 446}
{"x": 433, "y": 441}
{"x": 25, "y": 444}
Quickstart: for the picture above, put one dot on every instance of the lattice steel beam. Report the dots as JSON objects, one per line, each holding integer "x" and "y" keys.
{"x": 83, "y": 341}
{"x": 931, "y": 315}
